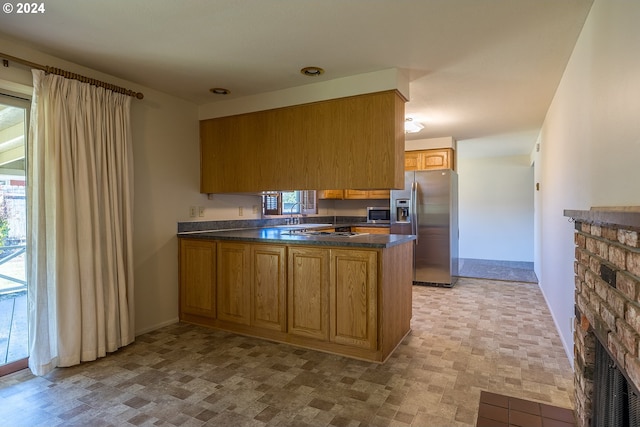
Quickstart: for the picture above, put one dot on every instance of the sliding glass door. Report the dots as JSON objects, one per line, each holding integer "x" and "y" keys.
{"x": 13, "y": 286}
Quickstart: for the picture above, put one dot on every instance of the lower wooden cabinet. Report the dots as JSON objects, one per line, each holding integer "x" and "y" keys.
{"x": 371, "y": 230}
{"x": 251, "y": 285}
{"x": 197, "y": 278}
{"x": 233, "y": 286}
{"x": 325, "y": 298}
{"x": 353, "y": 293}
{"x": 268, "y": 287}
{"x": 308, "y": 292}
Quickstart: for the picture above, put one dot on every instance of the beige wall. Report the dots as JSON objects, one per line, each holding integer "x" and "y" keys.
{"x": 165, "y": 131}
{"x": 589, "y": 145}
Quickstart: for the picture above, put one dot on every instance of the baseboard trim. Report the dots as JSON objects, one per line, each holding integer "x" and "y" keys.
{"x": 157, "y": 326}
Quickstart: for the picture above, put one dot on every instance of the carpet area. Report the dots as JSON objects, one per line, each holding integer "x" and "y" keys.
{"x": 512, "y": 271}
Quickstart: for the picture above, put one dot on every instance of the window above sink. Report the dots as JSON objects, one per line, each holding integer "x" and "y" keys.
{"x": 300, "y": 202}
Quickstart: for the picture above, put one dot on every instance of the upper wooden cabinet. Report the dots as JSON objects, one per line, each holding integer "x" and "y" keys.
{"x": 429, "y": 159}
{"x": 354, "y": 194}
{"x": 331, "y": 194}
{"x": 352, "y": 142}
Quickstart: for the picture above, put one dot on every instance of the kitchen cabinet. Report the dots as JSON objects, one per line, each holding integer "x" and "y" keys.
{"x": 351, "y": 142}
{"x": 371, "y": 230}
{"x": 354, "y": 194}
{"x": 350, "y": 301}
{"x": 233, "y": 285}
{"x": 251, "y": 284}
{"x": 197, "y": 267}
{"x": 268, "y": 286}
{"x": 353, "y": 293}
{"x": 379, "y": 194}
{"x": 308, "y": 292}
{"x": 429, "y": 159}
{"x": 331, "y": 194}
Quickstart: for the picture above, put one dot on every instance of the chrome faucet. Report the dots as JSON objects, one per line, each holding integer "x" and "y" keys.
{"x": 293, "y": 220}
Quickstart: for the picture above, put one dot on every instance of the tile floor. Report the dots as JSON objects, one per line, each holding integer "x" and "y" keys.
{"x": 478, "y": 336}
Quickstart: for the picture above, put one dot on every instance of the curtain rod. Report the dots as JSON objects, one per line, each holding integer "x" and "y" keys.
{"x": 70, "y": 75}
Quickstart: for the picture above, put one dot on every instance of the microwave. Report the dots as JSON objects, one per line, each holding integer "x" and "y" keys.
{"x": 379, "y": 214}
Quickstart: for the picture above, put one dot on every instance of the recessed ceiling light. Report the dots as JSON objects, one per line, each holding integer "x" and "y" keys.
{"x": 312, "y": 71}
{"x": 219, "y": 91}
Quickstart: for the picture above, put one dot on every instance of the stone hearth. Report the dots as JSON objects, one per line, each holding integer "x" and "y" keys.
{"x": 607, "y": 297}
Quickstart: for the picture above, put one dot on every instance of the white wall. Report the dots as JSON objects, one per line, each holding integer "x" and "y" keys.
{"x": 166, "y": 169}
{"x": 590, "y": 144}
{"x": 495, "y": 207}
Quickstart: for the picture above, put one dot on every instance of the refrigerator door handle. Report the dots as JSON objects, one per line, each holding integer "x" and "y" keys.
{"x": 414, "y": 209}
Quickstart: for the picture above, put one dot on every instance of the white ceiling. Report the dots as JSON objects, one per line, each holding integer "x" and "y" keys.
{"x": 477, "y": 68}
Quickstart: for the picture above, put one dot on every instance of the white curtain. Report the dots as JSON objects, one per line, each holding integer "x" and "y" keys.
{"x": 79, "y": 223}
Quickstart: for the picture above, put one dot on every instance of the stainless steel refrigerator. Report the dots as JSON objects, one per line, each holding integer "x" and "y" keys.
{"x": 428, "y": 209}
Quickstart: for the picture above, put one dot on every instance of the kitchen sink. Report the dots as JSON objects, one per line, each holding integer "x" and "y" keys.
{"x": 323, "y": 233}
{"x": 301, "y": 226}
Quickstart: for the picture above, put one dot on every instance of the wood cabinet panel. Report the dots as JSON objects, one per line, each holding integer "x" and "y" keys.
{"x": 356, "y": 194}
{"x": 294, "y": 147}
{"x": 353, "y": 293}
{"x": 268, "y": 287}
{"x": 429, "y": 159}
{"x": 352, "y": 302}
{"x": 371, "y": 230}
{"x": 197, "y": 277}
{"x": 436, "y": 159}
{"x": 233, "y": 284}
{"x": 379, "y": 194}
{"x": 412, "y": 160}
{"x": 331, "y": 194}
{"x": 308, "y": 292}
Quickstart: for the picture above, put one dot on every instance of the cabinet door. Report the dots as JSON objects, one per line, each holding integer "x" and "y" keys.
{"x": 356, "y": 194}
{"x": 198, "y": 277}
{"x": 371, "y": 230}
{"x": 331, "y": 194}
{"x": 308, "y": 292}
{"x": 353, "y": 296}
{"x": 436, "y": 159}
{"x": 379, "y": 194}
{"x": 411, "y": 160}
{"x": 268, "y": 308}
{"x": 234, "y": 292}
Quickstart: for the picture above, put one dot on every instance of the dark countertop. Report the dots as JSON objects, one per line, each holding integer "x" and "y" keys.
{"x": 277, "y": 235}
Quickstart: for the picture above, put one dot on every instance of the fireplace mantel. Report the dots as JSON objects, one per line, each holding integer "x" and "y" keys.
{"x": 621, "y": 216}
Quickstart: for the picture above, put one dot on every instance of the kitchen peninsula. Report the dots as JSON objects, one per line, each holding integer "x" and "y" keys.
{"x": 342, "y": 293}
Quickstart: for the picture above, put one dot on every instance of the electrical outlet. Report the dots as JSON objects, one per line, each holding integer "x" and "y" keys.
{"x": 255, "y": 209}
{"x": 192, "y": 211}
{"x": 200, "y": 211}
{"x": 240, "y": 213}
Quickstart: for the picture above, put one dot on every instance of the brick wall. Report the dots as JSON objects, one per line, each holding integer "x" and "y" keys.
{"x": 607, "y": 297}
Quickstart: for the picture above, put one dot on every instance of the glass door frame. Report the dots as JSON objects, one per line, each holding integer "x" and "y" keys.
{"x": 24, "y": 102}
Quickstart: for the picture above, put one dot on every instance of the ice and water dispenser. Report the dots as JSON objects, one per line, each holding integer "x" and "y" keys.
{"x": 402, "y": 208}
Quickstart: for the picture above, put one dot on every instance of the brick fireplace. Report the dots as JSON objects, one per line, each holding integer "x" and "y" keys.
{"x": 607, "y": 298}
